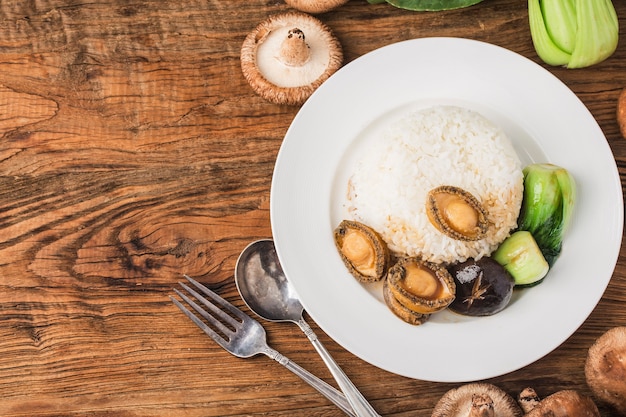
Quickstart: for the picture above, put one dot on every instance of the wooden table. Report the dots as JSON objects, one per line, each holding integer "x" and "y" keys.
{"x": 132, "y": 151}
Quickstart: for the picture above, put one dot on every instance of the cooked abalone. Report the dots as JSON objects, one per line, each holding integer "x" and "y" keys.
{"x": 362, "y": 250}
{"x": 420, "y": 286}
{"x": 456, "y": 213}
{"x": 400, "y": 310}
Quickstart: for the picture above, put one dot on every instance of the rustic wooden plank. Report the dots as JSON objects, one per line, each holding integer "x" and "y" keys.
{"x": 132, "y": 151}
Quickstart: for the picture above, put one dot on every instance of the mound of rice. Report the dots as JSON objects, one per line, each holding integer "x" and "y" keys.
{"x": 442, "y": 145}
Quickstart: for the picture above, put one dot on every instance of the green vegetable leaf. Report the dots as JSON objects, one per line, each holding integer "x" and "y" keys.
{"x": 432, "y": 5}
{"x": 567, "y": 185}
{"x": 549, "y": 194}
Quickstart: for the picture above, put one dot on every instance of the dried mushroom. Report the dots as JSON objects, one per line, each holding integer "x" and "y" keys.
{"x": 420, "y": 286}
{"x": 565, "y": 403}
{"x": 456, "y": 213}
{"x": 528, "y": 399}
{"x": 621, "y": 112}
{"x": 605, "y": 369}
{"x": 362, "y": 250}
{"x": 315, "y": 6}
{"x": 477, "y": 399}
{"x": 288, "y": 56}
{"x": 483, "y": 287}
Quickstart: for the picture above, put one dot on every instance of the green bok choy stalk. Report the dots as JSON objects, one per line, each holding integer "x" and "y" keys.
{"x": 547, "y": 206}
{"x": 573, "y": 33}
{"x": 522, "y": 259}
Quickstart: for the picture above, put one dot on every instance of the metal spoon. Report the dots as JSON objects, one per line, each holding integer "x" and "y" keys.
{"x": 265, "y": 290}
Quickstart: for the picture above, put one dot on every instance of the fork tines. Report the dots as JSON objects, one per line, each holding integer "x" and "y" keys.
{"x": 217, "y": 318}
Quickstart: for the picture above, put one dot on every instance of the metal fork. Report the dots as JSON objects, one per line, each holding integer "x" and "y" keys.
{"x": 243, "y": 336}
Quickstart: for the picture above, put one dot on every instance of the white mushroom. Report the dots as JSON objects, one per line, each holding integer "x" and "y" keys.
{"x": 288, "y": 56}
{"x": 605, "y": 369}
{"x": 478, "y": 399}
{"x": 315, "y": 6}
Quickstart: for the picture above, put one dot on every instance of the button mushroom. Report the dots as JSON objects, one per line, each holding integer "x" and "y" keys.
{"x": 288, "y": 56}
{"x": 478, "y": 399}
{"x": 605, "y": 368}
{"x": 315, "y": 6}
{"x": 565, "y": 403}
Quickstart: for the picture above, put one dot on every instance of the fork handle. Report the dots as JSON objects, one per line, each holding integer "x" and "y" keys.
{"x": 359, "y": 404}
{"x": 326, "y": 390}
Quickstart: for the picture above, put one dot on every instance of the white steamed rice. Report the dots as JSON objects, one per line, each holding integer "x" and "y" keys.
{"x": 442, "y": 145}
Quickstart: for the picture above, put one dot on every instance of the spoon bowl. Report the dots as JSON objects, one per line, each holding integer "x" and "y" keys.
{"x": 265, "y": 289}
{"x": 263, "y": 286}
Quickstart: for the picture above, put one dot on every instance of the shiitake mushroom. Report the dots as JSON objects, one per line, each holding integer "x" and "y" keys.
{"x": 564, "y": 403}
{"x": 621, "y": 112}
{"x": 477, "y": 399}
{"x": 288, "y": 56}
{"x": 315, "y": 6}
{"x": 483, "y": 287}
{"x": 605, "y": 369}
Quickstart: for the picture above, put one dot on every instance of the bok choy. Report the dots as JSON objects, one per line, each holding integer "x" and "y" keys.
{"x": 547, "y": 206}
{"x": 573, "y": 33}
{"x": 522, "y": 259}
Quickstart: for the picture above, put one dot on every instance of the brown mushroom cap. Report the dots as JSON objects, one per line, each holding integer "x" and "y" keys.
{"x": 288, "y": 56}
{"x": 315, "y": 6}
{"x": 605, "y": 368}
{"x": 621, "y": 112}
{"x": 476, "y": 399}
{"x": 565, "y": 403}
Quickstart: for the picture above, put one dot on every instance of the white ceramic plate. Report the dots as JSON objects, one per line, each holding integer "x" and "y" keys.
{"x": 545, "y": 121}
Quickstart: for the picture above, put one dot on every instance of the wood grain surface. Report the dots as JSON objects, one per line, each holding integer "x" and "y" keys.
{"x": 132, "y": 151}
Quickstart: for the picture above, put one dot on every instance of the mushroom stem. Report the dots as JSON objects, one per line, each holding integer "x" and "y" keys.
{"x": 528, "y": 399}
{"x": 482, "y": 406}
{"x": 294, "y": 51}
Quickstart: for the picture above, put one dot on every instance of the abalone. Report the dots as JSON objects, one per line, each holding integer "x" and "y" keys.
{"x": 456, "y": 213}
{"x": 362, "y": 250}
{"x": 421, "y": 286}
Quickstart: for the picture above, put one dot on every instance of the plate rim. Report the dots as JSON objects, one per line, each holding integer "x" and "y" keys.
{"x": 283, "y": 245}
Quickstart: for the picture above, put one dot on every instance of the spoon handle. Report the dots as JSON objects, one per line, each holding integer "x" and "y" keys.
{"x": 326, "y": 390}
{"x": 359, "y": 404}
